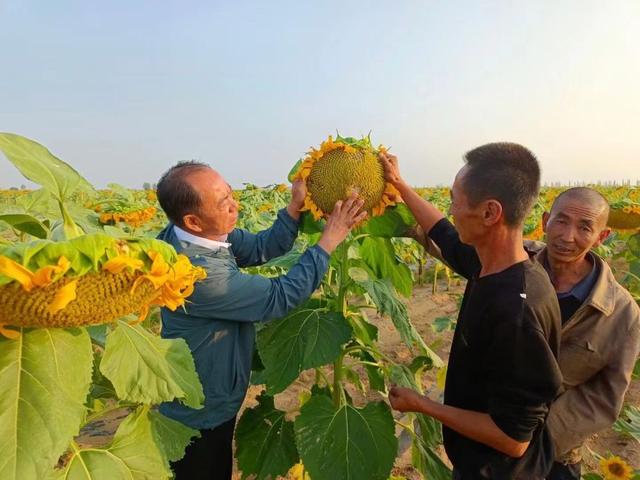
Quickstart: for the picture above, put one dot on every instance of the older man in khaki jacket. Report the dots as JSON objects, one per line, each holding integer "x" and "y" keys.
{"x": 600, "y": 324}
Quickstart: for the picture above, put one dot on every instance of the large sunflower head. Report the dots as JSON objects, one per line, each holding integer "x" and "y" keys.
{"x": 340, "y": 167}
{"x": 624, "y": 215}
{"x": 614, "y": 468}
{"x": 89, "y": 280}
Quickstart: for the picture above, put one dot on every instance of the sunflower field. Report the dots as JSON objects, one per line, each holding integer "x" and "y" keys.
{"x": 81, "y": 281}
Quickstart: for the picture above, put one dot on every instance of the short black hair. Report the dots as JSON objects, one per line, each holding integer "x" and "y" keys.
{"x": 175, "y": 194}
{"x": 506, "y": 172}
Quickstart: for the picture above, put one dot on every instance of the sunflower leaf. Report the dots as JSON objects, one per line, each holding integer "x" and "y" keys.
{"x": 147, "y": 369}
{"x": 308, "y": 337}
{"x": 380, "y": 256}
{"x": 265, "y": 443}
{"x": 39, "y": 165}
{"x": 45, "y": 377}
{"x": 141, "y": 449}
{"x": 359, "y": 444}
{"x": 26, "y": 224}
{"x": 386, "y": 300}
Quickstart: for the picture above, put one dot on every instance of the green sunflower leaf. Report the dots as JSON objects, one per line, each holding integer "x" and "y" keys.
{"x": 395, "y": 222}
{"x": 39, "y": 165}
{"x": 26, "y": 224}
{"x": 380, "y": 256}
{"x": 353, "y": 443}
{"x": 141, "y": 449}
{"x": 148, "y": 369}
{"x": 45, "y": 377}
{"x": 306, "y": 338}
{"x": 265, "y": 443}
{"x": 387, "y": 302}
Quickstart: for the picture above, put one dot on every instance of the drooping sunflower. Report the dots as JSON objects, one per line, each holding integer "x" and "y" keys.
{"x": 614, "y": 468}
{"x": 134, "y": 217}
{"x": 89, "y": 280}
{"x": 340, "y": 167}
{"x": 624, "y": 215}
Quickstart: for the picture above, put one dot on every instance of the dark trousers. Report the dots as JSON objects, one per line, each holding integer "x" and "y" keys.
{"x": 561, "y": 471}
{"x": 209, "y": 457}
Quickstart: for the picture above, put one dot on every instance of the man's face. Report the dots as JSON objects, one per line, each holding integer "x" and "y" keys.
{"x": 218, "y": 211}
{"x": 573, "y": 227}
{"x": 467, "y": 219}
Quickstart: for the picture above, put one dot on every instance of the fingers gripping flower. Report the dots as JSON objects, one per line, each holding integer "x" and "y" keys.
{"x": 341, "y": 167}
{"x": 94, "y": 279}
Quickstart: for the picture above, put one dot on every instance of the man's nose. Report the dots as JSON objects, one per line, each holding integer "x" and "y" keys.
{"x": 568, "y": 234}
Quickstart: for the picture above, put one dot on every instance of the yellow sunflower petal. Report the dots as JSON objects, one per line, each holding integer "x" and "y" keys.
{"x": 614, "y": 468}
{"x": 119, "y": 263}
{"x": 141, "y": 316}
{"x": 63, "y": 297}
{"x": 17, "y": 272}
{"x": 9, "y": 333}
{"x": 46, "y": 275}
{"x": 349, "y": 149}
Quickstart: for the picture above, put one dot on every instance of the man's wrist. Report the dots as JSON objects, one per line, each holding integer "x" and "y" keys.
{"x": 294, "y": 211}
{"x": 401, "y": 185}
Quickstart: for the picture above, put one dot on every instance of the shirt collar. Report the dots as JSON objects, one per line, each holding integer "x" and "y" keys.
{"x": 214, "y": 245}
{"x": 582, "y": 289}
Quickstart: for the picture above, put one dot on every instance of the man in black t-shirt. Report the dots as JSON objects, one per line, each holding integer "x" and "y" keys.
{"x": 503, "y": 372}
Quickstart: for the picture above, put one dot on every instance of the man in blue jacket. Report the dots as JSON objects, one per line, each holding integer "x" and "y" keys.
{"x": 218, "y": 321}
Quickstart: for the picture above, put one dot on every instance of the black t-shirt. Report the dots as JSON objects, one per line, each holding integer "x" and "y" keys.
{"x": 503, "y": 360}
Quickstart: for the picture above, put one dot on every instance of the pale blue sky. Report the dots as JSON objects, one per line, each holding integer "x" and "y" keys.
{"x": 124, "y": 89}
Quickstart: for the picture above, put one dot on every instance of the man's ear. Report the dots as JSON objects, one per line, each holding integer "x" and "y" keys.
{"x": 492, "y": 212}
{"x": 192, "y": 222}
{"x": 602, "y": 236}
{"x": 545, "y": 219}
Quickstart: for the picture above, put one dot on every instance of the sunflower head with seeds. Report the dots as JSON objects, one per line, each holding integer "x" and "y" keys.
{"x": 89, "y": 280}
{"x": 624, "y": 215}
{"x": 340, "y": 167}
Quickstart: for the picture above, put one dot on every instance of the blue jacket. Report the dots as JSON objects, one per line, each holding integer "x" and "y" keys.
{"x": 217, "y": 322}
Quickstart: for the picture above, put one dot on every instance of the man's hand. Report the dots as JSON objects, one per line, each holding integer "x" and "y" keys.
{"x": 298, "y": 193}
{"x": 405, "y": 399}
{"x": 344, "y": 217}
{"x": 391, "y": 169}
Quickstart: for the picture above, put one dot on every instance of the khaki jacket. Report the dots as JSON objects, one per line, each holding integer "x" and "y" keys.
{"x": 598, "y": 350}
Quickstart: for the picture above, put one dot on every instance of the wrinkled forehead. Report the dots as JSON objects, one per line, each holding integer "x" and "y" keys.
{"x": 579, "y": 209}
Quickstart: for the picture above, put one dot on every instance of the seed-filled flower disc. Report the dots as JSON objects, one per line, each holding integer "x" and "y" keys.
{"x": 90, "y": 280}
{"x": 625, "y": 216}
{"x": 343, "y": 166}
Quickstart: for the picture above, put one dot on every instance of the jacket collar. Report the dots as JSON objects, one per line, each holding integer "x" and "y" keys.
{"x": 602, "y": 295}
